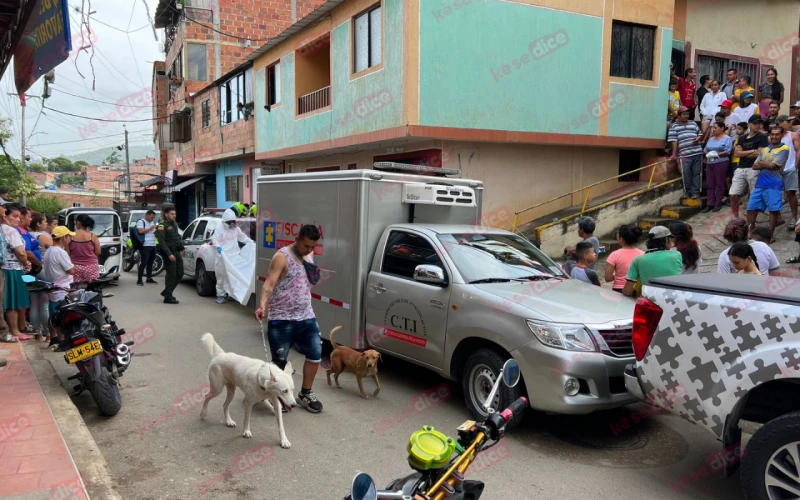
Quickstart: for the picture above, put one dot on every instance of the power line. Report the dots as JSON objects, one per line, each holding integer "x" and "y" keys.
{"x": 103, "y": 119}
{"x": 120, "y": 30}
{"x": 216, "y": 30}
{"x": 116, "y": 103}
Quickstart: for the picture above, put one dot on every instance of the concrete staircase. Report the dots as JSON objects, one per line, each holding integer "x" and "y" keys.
{"x": 671, "y": 213}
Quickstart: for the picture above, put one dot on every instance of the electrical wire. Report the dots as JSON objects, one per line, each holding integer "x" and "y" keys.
{"x": 215, "y": 29}
{"x": 120, "y": 30}
{"x": 103, "y": 119}
{"x": 116, "y": 103}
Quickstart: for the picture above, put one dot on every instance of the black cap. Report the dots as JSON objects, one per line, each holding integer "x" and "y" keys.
{"x": 3, "y": 190}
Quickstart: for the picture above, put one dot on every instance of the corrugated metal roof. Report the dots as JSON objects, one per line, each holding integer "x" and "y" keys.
{"x": 322, "y": 11}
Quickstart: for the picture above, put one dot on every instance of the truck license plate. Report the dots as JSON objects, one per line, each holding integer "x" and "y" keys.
{"x": 83, "y": 352}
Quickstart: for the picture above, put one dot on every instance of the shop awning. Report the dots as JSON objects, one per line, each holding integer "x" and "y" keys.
{"x": 184, "y": 184}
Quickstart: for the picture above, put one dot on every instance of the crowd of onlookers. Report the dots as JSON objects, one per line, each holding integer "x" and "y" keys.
{"x": 671, "y": 251}
{"x": 34, "y": 244}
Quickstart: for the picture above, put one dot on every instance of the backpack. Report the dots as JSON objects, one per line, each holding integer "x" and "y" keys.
{"x": 136, "y": 238}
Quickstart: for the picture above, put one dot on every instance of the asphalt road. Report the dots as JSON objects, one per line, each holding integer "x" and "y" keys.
{"x": 157, "y": 446}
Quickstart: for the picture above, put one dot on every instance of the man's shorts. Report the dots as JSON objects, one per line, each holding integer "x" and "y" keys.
{"x": 744, "y": 181}
{"x": 765, "y": 199}
{"x": 283, "y": 334}
{"x": 790, "y": 180}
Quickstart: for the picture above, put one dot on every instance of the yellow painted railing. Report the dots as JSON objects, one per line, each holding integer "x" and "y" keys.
{"x": 588, "y": 190}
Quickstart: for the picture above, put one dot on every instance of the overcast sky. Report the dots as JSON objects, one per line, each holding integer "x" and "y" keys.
{"x": 125, "y": 49}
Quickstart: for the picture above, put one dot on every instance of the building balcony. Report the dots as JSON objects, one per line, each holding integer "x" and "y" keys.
{"x": 313, "y": 101}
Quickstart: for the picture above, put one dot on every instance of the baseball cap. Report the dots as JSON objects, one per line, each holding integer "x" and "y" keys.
{"x": 659, "y": 232}
{"x": 683, "y": 109}
{"x": 795, "y": 105}
{"x": 61, "y": 231}
{"x": 782, "y": 118}
{"x": 745, "y": 95}
{"x": 727, "y": 103}
{"x": 755, "y": 119}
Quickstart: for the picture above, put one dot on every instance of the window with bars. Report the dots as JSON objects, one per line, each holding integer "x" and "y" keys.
{"x": 274, "y": 84}
{"x": 233, "y": 188}
{"x": 180, "y": 127}
{"x": 717, "y": 67}
{"x": 367, "y": 39}
{"x": 632, "y": 50}
{"x": 206, "y": 108}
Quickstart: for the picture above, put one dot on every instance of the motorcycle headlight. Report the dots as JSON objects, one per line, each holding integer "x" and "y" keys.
{"x": 565, "y": 336}
{"x": 113, "y": 250}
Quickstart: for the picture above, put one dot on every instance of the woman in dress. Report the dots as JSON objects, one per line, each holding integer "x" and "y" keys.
{"x": 84, "y": 250}
{"x": 718, "y": 151}
{"x": 769, "y": 91}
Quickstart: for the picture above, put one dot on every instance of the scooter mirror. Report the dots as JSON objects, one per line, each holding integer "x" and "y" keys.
{"x": 27, "y": 278}
{"x": 363, "y": 487}
{"x": 511, "y": 373}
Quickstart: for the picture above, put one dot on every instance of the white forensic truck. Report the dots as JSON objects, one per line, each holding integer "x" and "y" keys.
{"x": 408, "y": 270}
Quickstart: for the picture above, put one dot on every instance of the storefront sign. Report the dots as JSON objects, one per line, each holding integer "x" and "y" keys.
{"x": 45, "y": 43}
{"x": 271, "y": 167}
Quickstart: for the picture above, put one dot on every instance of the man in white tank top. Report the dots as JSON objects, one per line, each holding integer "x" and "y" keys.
{"x": 285, "y": 301}
{"x": 790, "y": 171}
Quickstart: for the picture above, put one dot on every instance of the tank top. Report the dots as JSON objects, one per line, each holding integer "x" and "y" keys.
{"x": 82, "y": 253}
{"x": 787, "y": 140}
{"x": 291, "y": 299}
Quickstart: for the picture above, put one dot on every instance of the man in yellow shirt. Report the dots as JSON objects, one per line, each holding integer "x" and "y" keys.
{"x": 744, "y": 86}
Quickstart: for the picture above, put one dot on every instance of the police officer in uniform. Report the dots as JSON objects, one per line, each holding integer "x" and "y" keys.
{"x": 239, "y": 209}
{"x": 170, "y": 245}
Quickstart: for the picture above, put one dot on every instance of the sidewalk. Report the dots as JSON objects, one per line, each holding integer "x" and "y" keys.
{"x": 34, "y": 460}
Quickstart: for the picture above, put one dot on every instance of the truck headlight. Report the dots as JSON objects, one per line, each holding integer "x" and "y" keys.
{"x": 113, "y": 251}
{"x": 562, "y": 336}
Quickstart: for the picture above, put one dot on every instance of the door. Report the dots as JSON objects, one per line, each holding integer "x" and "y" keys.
{"x": 188, "y": 253}
{"x": 405, "y": 316}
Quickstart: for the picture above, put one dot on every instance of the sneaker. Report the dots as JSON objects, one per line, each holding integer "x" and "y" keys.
{"x": 171, "y": 300}
{"x": 309, "y": 402}
{"x": 792, "y": 224}
{"x": 707, "y": 209}
{"x": 139, "y": 283}
{"x": 151, "y": 281}
{"x": 717, "y": 208}
{"x": 220, "y": 300}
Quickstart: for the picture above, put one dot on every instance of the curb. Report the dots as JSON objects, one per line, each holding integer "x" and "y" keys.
{"x": 88, "y": 458}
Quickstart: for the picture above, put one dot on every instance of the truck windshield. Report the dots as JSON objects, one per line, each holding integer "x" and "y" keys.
{"x": 498, "y": 257}
{"x": 139, "y": 214}
{"x": 106, "y": 224}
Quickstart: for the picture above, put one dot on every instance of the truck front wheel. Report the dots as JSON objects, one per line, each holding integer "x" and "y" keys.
{"x": 479, "y": 375}
{"x": 771, "y": 463}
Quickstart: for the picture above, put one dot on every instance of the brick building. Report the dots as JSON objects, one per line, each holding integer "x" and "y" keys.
{"x": 203, "y": 139}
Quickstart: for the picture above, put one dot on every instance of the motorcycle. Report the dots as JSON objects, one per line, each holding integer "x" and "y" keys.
{"x": 440, "y": 462}
{"x": 131, "y": 257}
{"x": 92, "y": 341}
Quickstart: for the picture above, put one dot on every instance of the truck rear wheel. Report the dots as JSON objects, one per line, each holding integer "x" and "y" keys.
{"x": 770, "y": 466}
{"x": 479, "y": 374}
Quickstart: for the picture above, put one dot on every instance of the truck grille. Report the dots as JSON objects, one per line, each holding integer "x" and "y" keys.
{"x": 619, "y": 340}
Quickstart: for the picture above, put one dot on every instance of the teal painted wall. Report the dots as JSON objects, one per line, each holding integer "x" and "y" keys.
{"x": 477, "y": 70}
{"x": 232, "y": 168}
{"x": 371, "y": 102}
{"x": 636, "y": 118}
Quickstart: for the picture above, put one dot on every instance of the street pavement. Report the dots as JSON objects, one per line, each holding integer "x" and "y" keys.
{"x": 157, "y": 447}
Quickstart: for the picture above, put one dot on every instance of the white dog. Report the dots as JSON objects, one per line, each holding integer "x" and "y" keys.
{"x": 260, "y": 381}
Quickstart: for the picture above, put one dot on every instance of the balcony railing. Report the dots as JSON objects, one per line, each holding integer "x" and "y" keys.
{"x": 314, "y": 101}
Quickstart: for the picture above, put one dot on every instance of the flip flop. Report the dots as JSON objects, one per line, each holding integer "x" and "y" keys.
{"x": 24, "y": 337}
{"x": 793, "y": 260}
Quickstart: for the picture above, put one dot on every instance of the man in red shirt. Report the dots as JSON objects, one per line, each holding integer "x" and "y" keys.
{"x": 687, "y": 87}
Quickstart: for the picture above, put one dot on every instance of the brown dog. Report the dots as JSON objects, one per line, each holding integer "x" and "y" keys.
{"x": 360, "y": 363}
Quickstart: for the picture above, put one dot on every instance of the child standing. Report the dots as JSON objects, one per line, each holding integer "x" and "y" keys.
{"x": 584, "y": 251}
{"x": 674, "y": 101}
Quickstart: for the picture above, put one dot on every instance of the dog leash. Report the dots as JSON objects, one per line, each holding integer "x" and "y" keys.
{"x": 264, "y": 339}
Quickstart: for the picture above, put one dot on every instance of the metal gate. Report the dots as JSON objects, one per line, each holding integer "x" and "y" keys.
{"x": 717, "y": 68}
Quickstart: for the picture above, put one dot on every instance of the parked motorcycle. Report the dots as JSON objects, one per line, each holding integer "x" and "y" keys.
{"x": 92, "y": 341}
{"x": 440, "y": 462}
{"x": 131, "y": 257}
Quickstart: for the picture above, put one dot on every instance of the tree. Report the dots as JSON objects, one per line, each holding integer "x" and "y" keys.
{"x": 45, "y": 204}
{"x": 70, "y": 180}
{"x": 112, "y": 158}
{"x": 80, "y": 164}
{"x": 12, "y": 176}
{"x": 36, "y": 167}
{"x": 61, "y": 164}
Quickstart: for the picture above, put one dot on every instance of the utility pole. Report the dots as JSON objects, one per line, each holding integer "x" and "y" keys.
{"x": 127, "y": 165}
{"x": 22, "y": 104}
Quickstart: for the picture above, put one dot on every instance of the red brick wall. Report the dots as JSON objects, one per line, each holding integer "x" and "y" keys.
{"x": 88, "y": 200}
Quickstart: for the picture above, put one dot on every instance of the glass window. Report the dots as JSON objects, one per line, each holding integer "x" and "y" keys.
{"x": 632, "y": 50}
{"x": 187, "y": 234}
{"x": 206, "y": 113}
{"x": 212, "y": 225}
{"x": 248, "y": 86}
{"x": 274, "y": 84}
{"x": 235, "y": 91}
{"x": 201, "y": 229}
{"x": 498, "y": 257}
{"x": 367, "y": 32}
{"x": 197, "y": 61}
{"x": 405, "y": 251}
{"x": 106, "y": 225}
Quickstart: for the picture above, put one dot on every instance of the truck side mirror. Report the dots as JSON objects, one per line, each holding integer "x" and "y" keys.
{"x": 426, "y": 273}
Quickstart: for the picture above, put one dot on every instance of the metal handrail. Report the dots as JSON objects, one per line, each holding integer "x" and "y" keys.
{"x": 589, "y": 189}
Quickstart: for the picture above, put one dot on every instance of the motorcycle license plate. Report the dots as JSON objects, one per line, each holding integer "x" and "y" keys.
{"x": 83, "y": 352}
{"x": 469, "y": 424}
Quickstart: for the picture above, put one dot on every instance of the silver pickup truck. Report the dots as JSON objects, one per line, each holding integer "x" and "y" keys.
{"x": 408, "y": 269}
{"x": 721, "y": 349}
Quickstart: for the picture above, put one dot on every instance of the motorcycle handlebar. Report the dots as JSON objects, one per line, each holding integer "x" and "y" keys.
{"x": 515, "y": 408}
